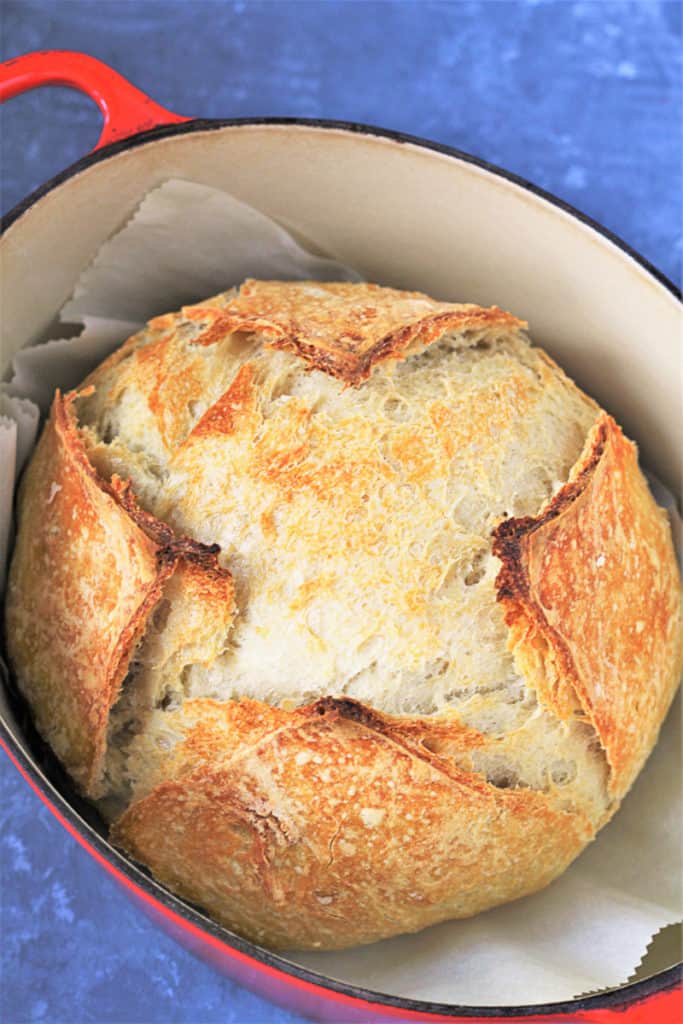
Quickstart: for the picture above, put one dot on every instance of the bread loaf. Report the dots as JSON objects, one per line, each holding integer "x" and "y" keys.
{"x": 350, "y": 608}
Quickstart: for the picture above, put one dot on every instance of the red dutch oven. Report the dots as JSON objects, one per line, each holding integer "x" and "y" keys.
{"x": 408, "y": 213}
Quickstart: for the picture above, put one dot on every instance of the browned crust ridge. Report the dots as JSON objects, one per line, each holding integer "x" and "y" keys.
{"x": 592, "y": 598}
{"x": 88, "y": 570}
{"x": 340, "y": 328}
{"x": 333, "y": 825}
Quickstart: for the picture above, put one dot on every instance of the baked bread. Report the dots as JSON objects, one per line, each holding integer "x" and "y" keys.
{"x": 350, "y": 608}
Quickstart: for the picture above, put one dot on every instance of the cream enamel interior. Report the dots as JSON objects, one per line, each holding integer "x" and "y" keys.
{"x": 403, "y": 216}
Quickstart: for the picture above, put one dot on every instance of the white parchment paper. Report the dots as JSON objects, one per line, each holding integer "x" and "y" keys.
{"x": 590, "y": 928}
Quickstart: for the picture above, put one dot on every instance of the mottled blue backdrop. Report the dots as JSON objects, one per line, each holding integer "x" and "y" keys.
{"x": 582, "y": 98}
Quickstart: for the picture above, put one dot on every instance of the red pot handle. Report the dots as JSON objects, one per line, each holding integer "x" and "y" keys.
{"x": 126, "y": 110}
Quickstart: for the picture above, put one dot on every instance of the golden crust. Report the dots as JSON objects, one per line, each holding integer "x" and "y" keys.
{"x": 83, "y": 580}
{"x": 593, "y": 600}
{"x": 340, "y": 328}
{"x": 88, "y": 569}
{"x": 328, "y": 826}
{"x": 229, "y": 413}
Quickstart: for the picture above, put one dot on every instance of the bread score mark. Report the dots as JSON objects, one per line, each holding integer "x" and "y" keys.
{"x": 592, "y": 597}
{"x": 340, "y": 328}
{"x": 98, "y": 565}
{"x": 317, "y": 812}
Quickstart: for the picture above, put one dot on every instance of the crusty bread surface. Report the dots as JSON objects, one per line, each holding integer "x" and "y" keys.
{"x": 350, "y": 608}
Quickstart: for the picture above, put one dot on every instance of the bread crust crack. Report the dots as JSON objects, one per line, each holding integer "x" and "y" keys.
{"x": 593, "y": 601}
{"x": 341, "y": 329}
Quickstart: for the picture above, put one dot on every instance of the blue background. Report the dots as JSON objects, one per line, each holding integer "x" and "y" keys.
{"x": 584, "y": 99}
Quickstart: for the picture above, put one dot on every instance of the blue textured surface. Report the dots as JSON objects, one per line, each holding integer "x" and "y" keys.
{"x": 582, "y": 98}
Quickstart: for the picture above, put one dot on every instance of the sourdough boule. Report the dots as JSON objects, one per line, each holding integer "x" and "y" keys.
{"x": 353, "y": 611}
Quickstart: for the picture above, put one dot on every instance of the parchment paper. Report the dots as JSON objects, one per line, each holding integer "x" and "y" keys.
{"x": 589, "y": 929}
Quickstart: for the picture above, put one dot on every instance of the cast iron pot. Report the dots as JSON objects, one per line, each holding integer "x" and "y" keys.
{"x": 407, "y": 213}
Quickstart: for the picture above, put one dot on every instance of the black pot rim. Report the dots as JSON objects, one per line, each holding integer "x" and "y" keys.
{"x": 66, "y": 805}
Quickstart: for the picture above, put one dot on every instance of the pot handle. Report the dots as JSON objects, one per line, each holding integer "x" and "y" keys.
{"x": 126, "y": 110}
